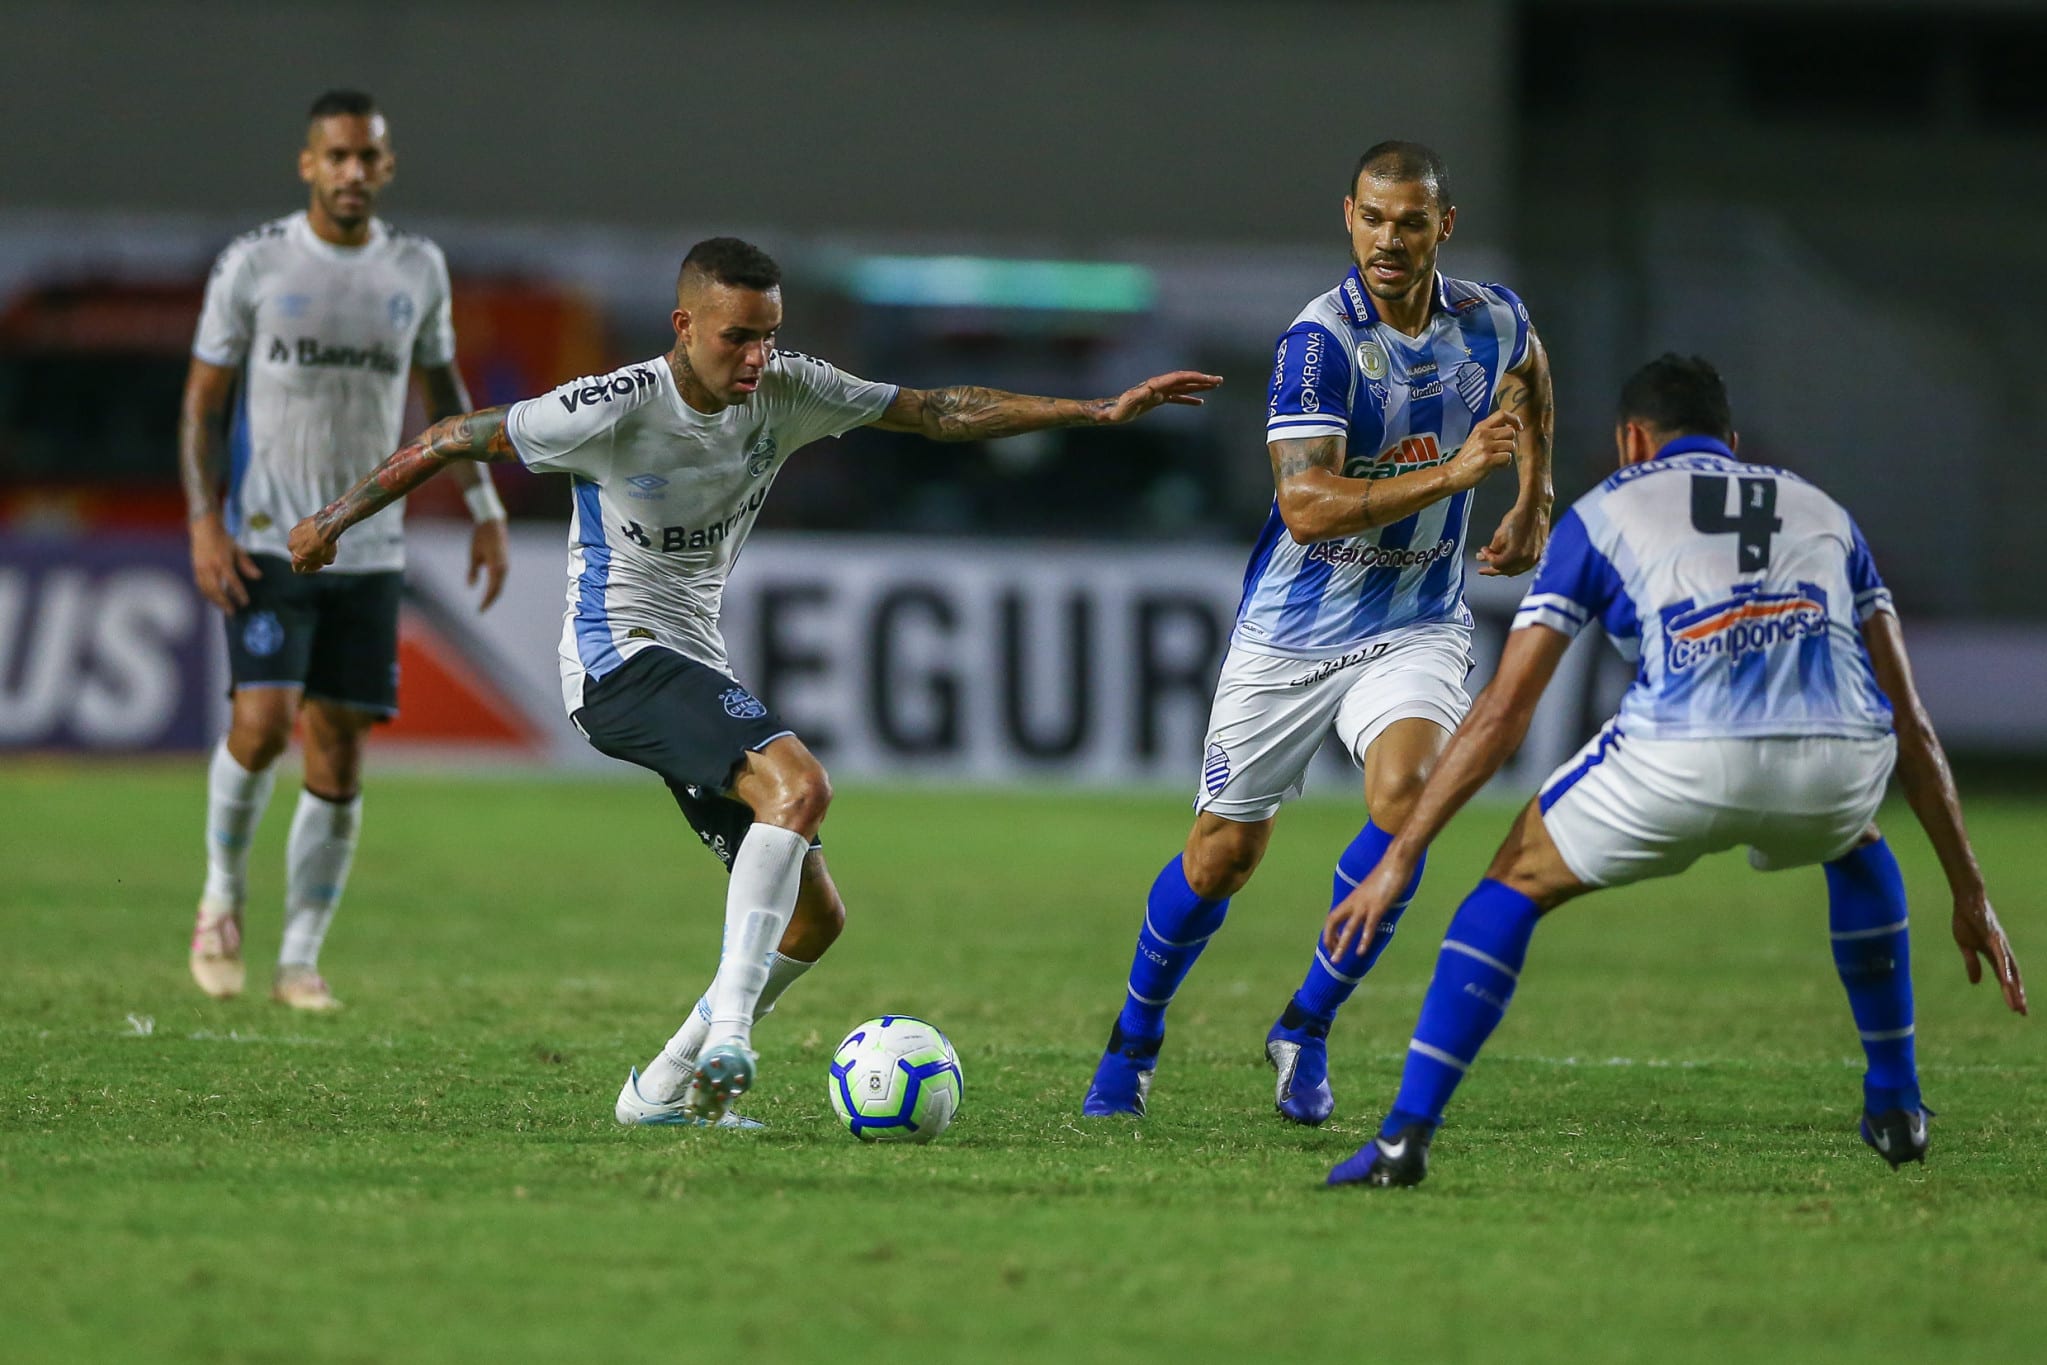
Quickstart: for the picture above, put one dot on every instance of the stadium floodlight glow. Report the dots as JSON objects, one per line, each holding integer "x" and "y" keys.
{"x": 990, "y": 282}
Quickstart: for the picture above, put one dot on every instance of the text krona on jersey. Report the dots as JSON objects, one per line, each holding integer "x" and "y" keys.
{"x": 313, "y": 353}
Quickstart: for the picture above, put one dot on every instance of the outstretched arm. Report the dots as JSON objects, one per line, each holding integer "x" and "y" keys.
{"x": 1318, "y": 503}
{"x": 470, "y": 436}
{"x": 1930, "y": 790}
{"x": 490, "y": 546}
{"x": 971, "y": 413}
{"x": 1495, "y": 728}
{"x": 1525, "y": 392}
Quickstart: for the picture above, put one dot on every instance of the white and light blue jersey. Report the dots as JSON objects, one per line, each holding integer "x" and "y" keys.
{"x": 1399, "y": 403}
{"x": 666, "y": 495}
{"x": 326, "y": 338}
{"x": 1739, "y": 588}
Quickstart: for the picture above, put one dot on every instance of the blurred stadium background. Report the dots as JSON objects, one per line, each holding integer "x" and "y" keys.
{"x": 1838, "y": 202}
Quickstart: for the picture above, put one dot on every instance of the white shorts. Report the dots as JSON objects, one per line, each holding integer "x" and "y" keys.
{"x": 1270, "y": 713}
{"x": 1626, "y": 809}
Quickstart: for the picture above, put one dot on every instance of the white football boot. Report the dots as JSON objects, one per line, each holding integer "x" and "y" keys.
{"x": 302, "y": 988}
{"x": 633, "y": 1108}
{"x": 217, "y": 950}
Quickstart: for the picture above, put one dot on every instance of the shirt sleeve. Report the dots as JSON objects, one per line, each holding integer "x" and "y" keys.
{"x": 228, "y": 317}
{"x": 1575, "y": 585}
{"x": 435, "y": 344}
{"x": 1522, "y": 326}
{"x": 568, "y": 430}
{"x": 1310, "y": 386}
{"x": 826, "y": 401}
{"x": 1871, "y": 596}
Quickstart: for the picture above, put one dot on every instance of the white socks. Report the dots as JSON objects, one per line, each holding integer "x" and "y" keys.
{"x": 664, "y": 1078}
{"x": 766, "y": 873}
{"x": 316, "y": 859}
{"x": 235, "y": 798}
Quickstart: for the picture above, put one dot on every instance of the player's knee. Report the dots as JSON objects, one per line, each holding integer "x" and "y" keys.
{"x": 799, "y": 801}
{"x": 1392, "y": 799}
{"x": 258, "y": 739}
{"x": 1217, "y": 866}
{"x": 333, "y": 762}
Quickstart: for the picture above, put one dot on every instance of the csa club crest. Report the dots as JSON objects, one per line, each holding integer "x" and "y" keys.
{"x": 1215, "y": 770}
{"x": 1471, "y": 382}
{"x": 741, "y": 704}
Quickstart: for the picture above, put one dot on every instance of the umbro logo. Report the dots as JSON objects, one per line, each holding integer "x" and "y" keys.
{"x": 647, "y": 482}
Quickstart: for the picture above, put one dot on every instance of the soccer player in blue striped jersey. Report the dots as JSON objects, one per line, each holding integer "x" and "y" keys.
{"x": 1393, "y": 396}
{"x": 1773, "y": 698}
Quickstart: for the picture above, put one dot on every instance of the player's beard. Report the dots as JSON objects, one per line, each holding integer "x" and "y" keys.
{"x": 1418, "y": 271}
{"x": 348, "y": 218}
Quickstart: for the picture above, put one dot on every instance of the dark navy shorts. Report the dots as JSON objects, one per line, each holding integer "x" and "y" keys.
{"x": 333, "y": 634}
{"x": 691, "y": 725}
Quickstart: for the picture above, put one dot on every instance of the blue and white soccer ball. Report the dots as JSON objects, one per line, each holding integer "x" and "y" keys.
{"x": 896, "y": 1079}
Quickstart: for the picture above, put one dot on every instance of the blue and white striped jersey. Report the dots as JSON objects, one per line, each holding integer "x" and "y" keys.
{"x": 1400, "y": 403}
{"x": 1740, "y": 589}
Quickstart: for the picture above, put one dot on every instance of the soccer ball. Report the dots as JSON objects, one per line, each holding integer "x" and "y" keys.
{"x": 895, "y": 1079}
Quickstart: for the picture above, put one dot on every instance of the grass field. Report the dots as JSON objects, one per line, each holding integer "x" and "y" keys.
{"x": 1656, "y": 1160}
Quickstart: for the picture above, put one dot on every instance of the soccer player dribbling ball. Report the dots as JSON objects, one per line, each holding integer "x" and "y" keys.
{"x": 1393, "y": 396}
{"x": 1773, "y": 700}
{"x": 671, "y": 459}
{"x": 319, "y": 319}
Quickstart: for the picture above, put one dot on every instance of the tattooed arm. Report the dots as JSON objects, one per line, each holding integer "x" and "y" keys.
{"x": 470, "y": 436}
{"x": 490, "y": 543}
{"x": 1525, "y": 391}
{"x": 448, "y": 396}
{"x": 971, "y": 413}
{"x": 1318, "y": 503}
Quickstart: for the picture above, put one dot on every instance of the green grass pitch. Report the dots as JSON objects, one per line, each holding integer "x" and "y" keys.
{"x": 1655, "y": 1160}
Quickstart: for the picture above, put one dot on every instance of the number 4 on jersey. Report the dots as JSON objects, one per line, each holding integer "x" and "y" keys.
{"x": 1754, "y": 518}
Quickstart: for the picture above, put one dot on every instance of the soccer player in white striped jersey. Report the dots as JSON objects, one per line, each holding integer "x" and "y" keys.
{"x": 314, "y": 324}
{"x": 1773, "y": 698}
{"x": 1393, "y": 396}
{"x": 672, "y": 459}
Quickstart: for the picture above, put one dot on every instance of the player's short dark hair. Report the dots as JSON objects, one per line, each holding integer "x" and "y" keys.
{"x": 1679, "y": 394}
{"x": 342, "y": 104}
{"x": 1403, "y": 161}
{"x": 727, "y": 260}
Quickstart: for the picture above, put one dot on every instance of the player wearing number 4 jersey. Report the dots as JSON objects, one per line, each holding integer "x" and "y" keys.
{"x": 671, "y": 460}
{"x": 1393, "y": 396}
{"x": 1773, "y": 697}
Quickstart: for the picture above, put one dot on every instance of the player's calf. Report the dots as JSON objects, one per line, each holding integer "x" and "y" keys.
{"x": 1178, "y": 923}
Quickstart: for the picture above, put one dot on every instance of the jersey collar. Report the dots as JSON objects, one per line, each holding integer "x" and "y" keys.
{"x": 302, "y": 228}
{"x": 1695, "y": 445}
{"x": 1357, "y": 302}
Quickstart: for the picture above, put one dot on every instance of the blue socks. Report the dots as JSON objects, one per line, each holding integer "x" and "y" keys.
{"x": 1330, "y": 983}
{"x": 1177, "y": 926}
{"x": 1476, "y": 972}
{"x": 1872, "y": 951}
